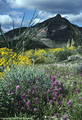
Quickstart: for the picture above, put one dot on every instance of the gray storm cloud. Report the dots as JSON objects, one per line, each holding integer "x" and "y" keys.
{"x": 53, "y": 6}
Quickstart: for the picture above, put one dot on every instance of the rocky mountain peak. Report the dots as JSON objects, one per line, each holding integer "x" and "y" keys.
{"x": 58, "y": 16}
{"x": 50, "y": 33}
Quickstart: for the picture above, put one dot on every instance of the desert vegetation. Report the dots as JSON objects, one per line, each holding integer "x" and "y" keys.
{"x": 40, "y": 84}
{"x": 32, "y": 85}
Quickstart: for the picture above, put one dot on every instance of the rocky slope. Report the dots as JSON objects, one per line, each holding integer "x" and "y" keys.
{"x": 59, "y": 30}
{"x": 53, "y": 32}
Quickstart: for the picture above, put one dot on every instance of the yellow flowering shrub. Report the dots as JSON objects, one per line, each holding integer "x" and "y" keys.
{"x": 2, "y": 61}
{"x": 41, "y": 51}
{"x": 56, "y": 50}
{"x": 8, "y": 57}
{"x": 8, "y": 68}
{"x": 39, "y": 56}
{"x": 29, "y": 53}
{"x": 1, "y": 74}
{"x": 71, "y": 48}
{"x": 23, "y": 60}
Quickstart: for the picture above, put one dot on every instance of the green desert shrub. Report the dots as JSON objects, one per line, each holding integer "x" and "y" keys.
{"x": 74, "y": 58}
{"x": 79, "y": 68}
{"x": 79, "y": 49}
{"x": 63, "y": 55}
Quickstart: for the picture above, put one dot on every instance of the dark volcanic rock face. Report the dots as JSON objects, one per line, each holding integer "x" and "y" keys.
{"x": 58, "y": 30}
{"x": 53, "y": 31}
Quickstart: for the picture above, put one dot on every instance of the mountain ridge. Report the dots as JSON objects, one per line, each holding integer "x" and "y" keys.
{"x": 51, "y": 32}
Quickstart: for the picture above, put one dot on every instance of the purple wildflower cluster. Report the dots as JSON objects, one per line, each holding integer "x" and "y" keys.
{"x": 32, "y": 98}
{"x": 65, "y": 117}
{"x": 70, "y": 103}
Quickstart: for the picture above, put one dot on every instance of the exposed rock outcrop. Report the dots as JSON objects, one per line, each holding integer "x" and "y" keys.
{"x": 52, "y": 33}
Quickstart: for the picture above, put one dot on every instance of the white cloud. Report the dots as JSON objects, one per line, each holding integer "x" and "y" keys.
{"x": 17, "y": 3}
{"x": 6, "y": 22}
{"x": 5, "y": 19}
{"x": 76, "y": 19}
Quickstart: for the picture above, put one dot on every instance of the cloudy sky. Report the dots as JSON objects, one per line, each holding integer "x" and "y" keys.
{"x": 14, "y": 10}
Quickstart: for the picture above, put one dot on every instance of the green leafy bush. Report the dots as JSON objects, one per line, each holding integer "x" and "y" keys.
{"x": 63, "y": 55}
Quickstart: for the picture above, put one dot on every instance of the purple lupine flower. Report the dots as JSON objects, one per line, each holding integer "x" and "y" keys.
{"x": 54, "y": 90}
{"x": 74, "y": 82}
{"x": 51, "y": 101}
{"x": 33, "y": 92}
{"x": 17, "y": 87}
{"x": 53, "y": 94}
{"x": 12, "y": 92}
{"x": 61, "y": 95}
{"x": 20, "y": 102}
{"x": 28, "y": 104}
{"x": 36, "y": 100}
{"x": 57, "y": 114}
{"x": 55, "y": 98}
{"x": 30, "y": 90}
{"x": 78, "y": 90}
{"x": 24, "y": 96}
{"x": 65, "y": 117}
{"x": 80, "y": 74}
{"x": 70, "y": 103}
{"x": 51, "y": 87}
{"x": 59, "y": 89}
{"x": 21, "y": 81}
{"x": 48, "y": 91}
{"x": 36, "y": 87}
{"x": 80, "y": 98}
{"x": 56, "y": 94}
{"x": 53, "y": 78}
{"x": 35, "y": 109}
{"x": 80, "y": 82}
{"x": 61, "y": 102}
{"x": 38, "y": 79}
{"x": 55, "y": 83}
